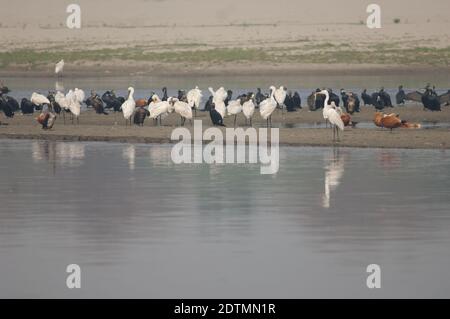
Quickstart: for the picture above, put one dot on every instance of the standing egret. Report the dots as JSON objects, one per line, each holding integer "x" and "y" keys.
{"x": 219, "y": 98}
{"x": 39, "y": 99}
{"x": 75, "y": 108}
{"x": 280, "y": 96}
{"x": 248, "y": 108}
{"x": 64, "y": 102}
{"x": 268, "y": 106}
{"x": 160, "y": 109}
{"x": 59, "y": 68}
{"x": 234, "y": 108}
{"x": 81, "y": 96}
{"x": 194, "y": 98}
{"x": 183, "y": 109}
{"x": 128, "y": 106}
{"x": 332, "y": 115}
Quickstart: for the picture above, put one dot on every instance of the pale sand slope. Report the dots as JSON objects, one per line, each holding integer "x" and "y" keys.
{"x": 112, "y": 23}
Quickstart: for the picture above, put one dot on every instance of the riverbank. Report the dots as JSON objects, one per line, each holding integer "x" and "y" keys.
{"x": 111, "y": 128}
{"x": 117, "y": 68}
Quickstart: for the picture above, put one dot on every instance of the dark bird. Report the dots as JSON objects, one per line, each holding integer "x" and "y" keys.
{"x": 289, "y": 102}
{"x": 316, "y": 101}
{"x": 208, "y": 104}
{"x": 6, "y": 107}
{"x": 182, "y": 96}
{"x": 54, "y": 106}
{"x": 229, "y": 97}
{"x": 296, "y": 99}
{"x": 139, "y": 116}
{"x": 26, "y": 106}
{"x": 381, "y": 100}
{"x": 111, "y": 101}
{"x": 164, "y": 97}
{"x": 216, "y": 118}
{"x": 430, "y": 100}
{"x": 259, "y": 97}
{"x": 400, "y": 97}
{"x": 367, "y": 99}
{"x": 351, "y": 102}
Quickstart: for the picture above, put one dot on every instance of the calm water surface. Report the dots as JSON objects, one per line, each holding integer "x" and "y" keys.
{"x": 144, "y": 85}
{"x": 140, "y": 226}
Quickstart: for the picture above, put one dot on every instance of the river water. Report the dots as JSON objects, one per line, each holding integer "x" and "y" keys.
{"x": 140, "y": 226}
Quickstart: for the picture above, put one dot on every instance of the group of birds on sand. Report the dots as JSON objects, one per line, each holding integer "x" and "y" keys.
{"x": 219, "y": 105}
{"x": 381, "y": 99}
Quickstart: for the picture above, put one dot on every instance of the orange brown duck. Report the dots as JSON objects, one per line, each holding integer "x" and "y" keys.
{"x": 392, "y": 121}
{"x": 141, "y": 103}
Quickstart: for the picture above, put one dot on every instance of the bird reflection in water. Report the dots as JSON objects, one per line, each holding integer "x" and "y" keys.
{"x": 58, "y": 153}
{"x": 59, "y": 86}
{"x": 334, "y": 170}
{"x": 129, "y": 153}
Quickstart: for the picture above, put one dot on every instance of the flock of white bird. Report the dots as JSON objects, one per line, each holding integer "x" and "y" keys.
{"x": 70, "y": 102}
{"x": 159, "y": 109}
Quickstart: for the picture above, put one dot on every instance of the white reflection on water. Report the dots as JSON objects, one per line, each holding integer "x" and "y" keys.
{"x": 334, "y": 171}
{"x": 160, "y": 155}
{"x": 66, "y": 154}
{"x": 59, "y": 86}
{"x": 129, "y": 153}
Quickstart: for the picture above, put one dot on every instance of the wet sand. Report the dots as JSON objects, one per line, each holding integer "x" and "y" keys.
{"x": 94, "y": 127}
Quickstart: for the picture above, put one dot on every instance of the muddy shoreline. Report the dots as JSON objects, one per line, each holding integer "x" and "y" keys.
{"x": 111, "y": 128}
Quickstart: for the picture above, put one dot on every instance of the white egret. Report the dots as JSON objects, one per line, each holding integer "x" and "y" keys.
{"x": 248, "y": 108}
{"x": 182, "y": 108}
{"x": 39, "y": 99}
{"x": 234, "y": 108}
{"x": 194, "y": 98}
{"x": 128, "y": 106}
{"x": 332, "y": 115}
{"x": 59, "y": 67}
{"x": 268, "y": 106}
{"x": 219, "y": 97}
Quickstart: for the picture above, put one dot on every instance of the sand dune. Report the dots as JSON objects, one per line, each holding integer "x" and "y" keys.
{"x": 118, "y": 23}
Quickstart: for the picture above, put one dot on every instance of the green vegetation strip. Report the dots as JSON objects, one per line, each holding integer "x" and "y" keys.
{"x": 320, "y": 53}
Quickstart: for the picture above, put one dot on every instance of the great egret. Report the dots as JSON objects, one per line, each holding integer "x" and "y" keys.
{"x": 194, "y": 98}
{"x": 75, "y": 107}
{"x": 234, "y": 108}
{"x": 219, "y": 98}
{"x": 280, "y": 96}
{"x": 332, "y": 115}
{"x": 268, "y": 106}
{"x": 81, "y": 96}
{"x": 159, "y": 109}
{"x": 183, "y": 109}
{"x": 59, "y": 68}
{"x": 248, "y": 108}
{"x": 128, "y": 106}
{"x": 39, "y": 99}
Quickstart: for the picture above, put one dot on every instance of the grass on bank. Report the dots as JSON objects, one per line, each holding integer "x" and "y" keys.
{"x": 326, "y": 53}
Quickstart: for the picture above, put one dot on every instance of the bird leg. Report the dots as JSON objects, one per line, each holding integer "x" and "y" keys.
{"x": 235, "y": 115}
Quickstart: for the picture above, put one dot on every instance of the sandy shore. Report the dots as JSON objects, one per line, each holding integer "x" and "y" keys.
{"x": 95, "y": 127}
{"x": 177, "y": 37}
